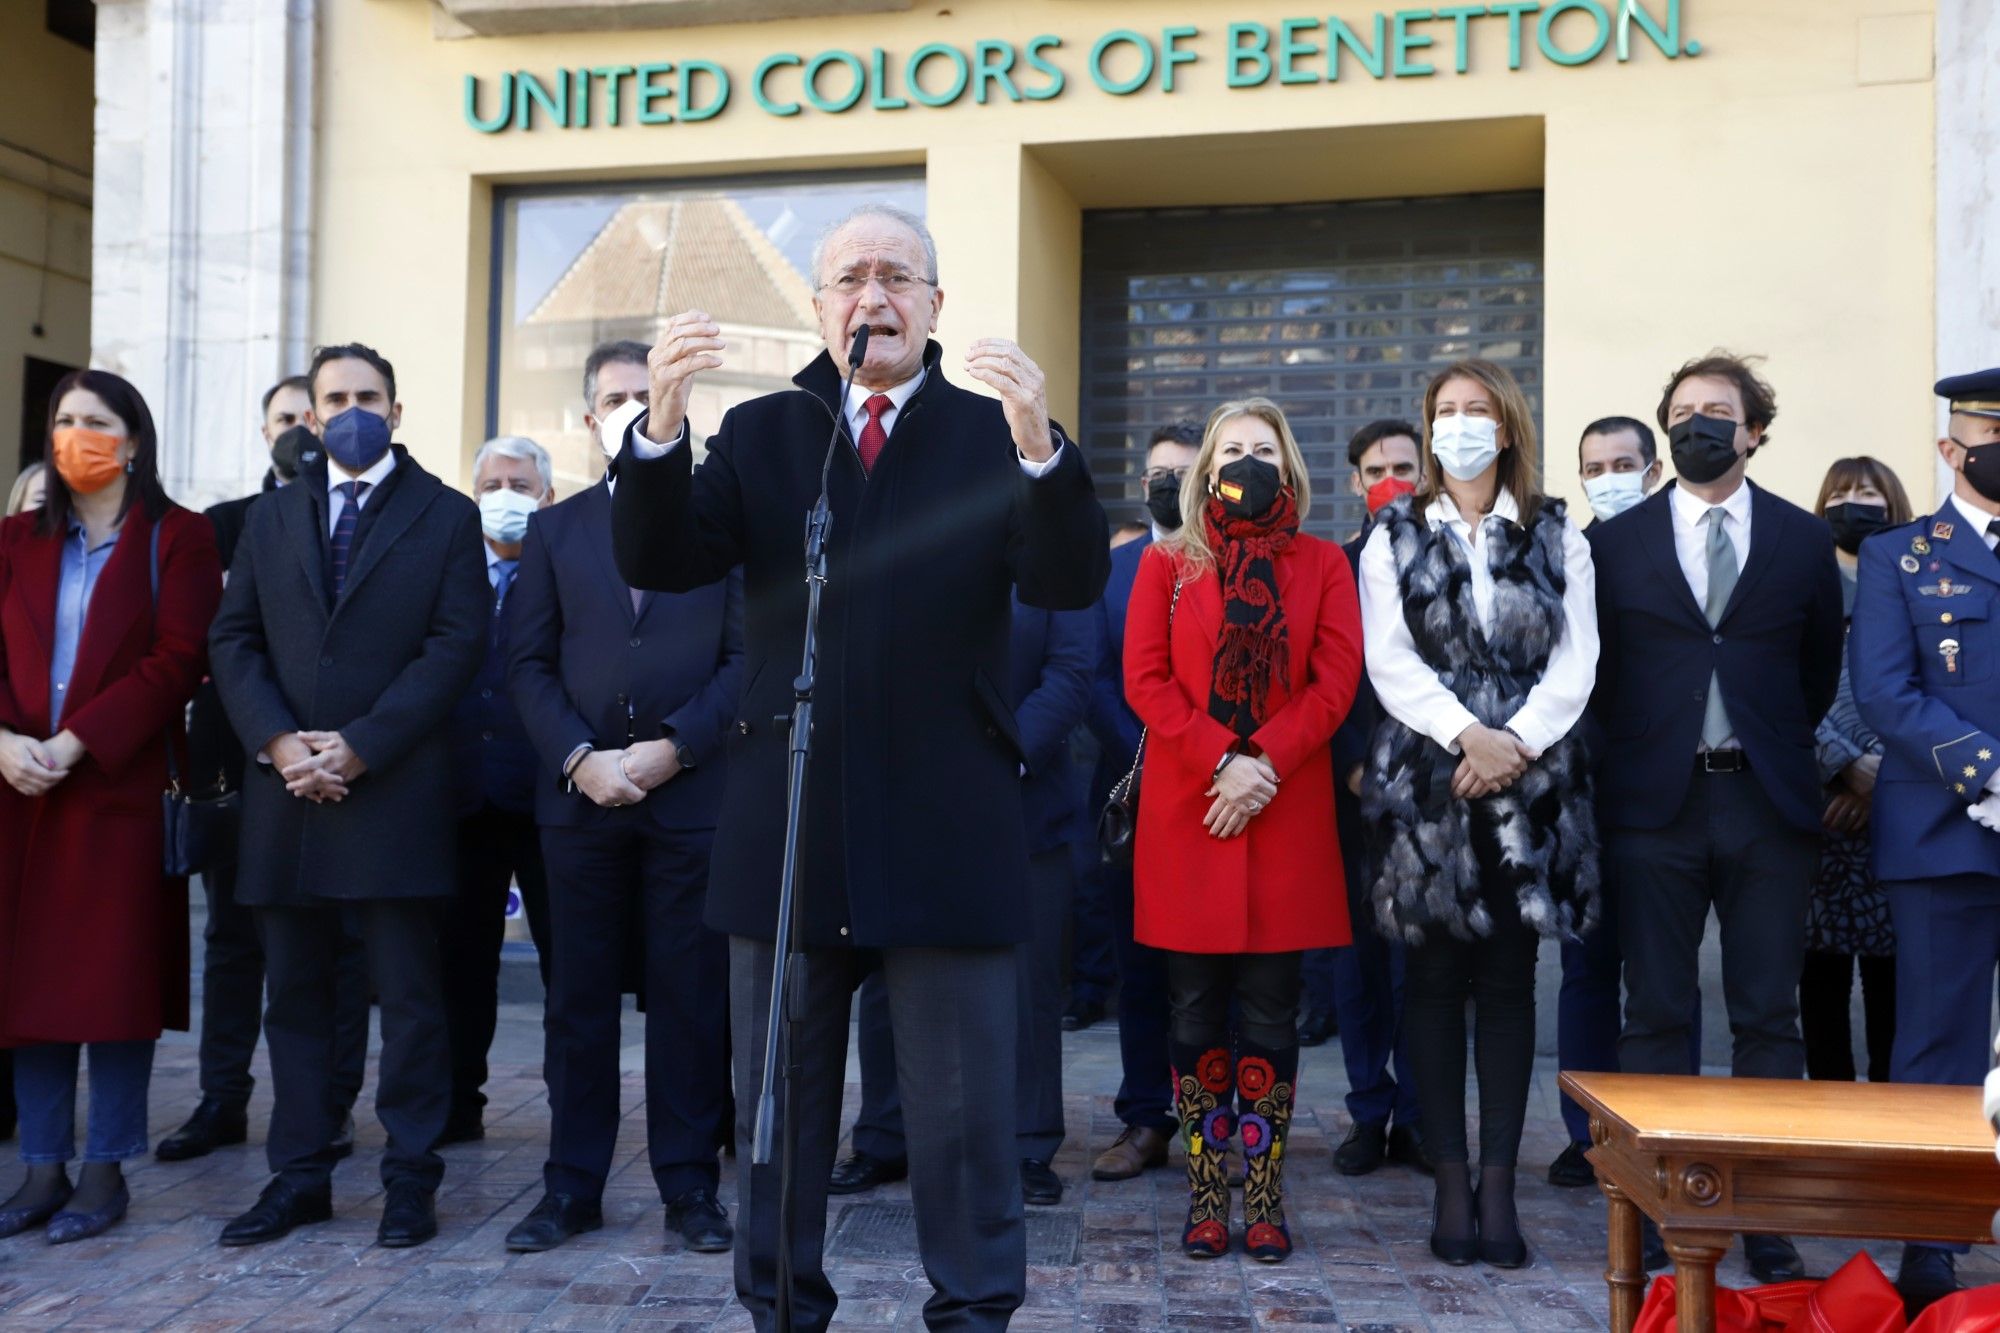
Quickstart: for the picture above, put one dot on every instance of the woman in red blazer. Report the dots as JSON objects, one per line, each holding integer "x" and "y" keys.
{"x": 93, "y": 681}
{"x": 1242, "y": 651}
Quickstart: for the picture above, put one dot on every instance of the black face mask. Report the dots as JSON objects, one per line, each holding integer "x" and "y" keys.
{"x": 298, "y": 447}
{"x": 1982, "y": 468}
{"x": 1163, "y": 501}
{"x": 1853, "y": 524}
{"x": 1704, "y": 448}
{"x": 1248, "y": 487}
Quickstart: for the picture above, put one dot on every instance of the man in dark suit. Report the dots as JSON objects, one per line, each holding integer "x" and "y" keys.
{"x": 232, "y": 963}
{"x": 628, "y": 698}
{"x": 1719, "y": 616}
{"x": 1921, "y": 663}
{"x": 354, "y": 618}
{"x": 914, "y": 842}
{"x": 512, "y": 478}
{"x": 1145, "y": 1100}
{"x": 1055, "y": 656}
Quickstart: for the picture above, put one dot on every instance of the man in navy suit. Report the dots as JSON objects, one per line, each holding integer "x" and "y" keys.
{"x": 1921, "y": 660}
{"x": 512, "y": 477}
{"x": 627, "y": 697}
{"x": 1719, "y": 616}
{"x": 1054, "y": 656}
{"x": 1145, "y": 1092}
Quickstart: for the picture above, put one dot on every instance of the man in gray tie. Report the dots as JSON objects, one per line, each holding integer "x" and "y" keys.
{"x": 1719, "y": 615}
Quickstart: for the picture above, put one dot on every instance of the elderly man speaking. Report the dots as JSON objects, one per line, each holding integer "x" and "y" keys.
{"x": 914, "y": 853}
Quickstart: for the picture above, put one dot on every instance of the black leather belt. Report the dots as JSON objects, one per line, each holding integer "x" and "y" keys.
{"x": 1721, "y": 761}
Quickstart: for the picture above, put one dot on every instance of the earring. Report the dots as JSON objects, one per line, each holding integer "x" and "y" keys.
{"x": 128, "y": 467}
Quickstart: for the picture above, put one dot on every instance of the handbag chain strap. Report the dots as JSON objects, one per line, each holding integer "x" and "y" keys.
{"x": 1139, "y": 755}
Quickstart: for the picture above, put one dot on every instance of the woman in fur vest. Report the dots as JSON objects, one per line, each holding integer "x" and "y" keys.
{"x": 1242, "y": 652}
{"x": 1480, "y": 608}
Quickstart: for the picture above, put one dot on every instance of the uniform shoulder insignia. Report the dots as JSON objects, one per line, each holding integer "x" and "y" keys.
{"x": 1941, "y": 530}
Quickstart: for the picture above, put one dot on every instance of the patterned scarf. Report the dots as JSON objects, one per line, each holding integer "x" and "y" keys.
{"x": 1253, "y": 648}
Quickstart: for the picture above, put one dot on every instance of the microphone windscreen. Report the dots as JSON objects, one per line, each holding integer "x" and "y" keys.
{"x": 859, "y": 351}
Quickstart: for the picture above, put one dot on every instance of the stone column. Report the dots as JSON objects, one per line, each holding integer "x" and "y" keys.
{"x": 1968, "y": 192}
{"x": 201, "y": 243}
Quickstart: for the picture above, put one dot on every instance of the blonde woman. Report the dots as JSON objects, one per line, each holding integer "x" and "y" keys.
{"x": 1242, "y": 652}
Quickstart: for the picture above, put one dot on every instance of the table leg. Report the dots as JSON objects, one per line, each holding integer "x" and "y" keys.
{"x": 1695, "y": 1254}
{"x": 1626, "y": 1273}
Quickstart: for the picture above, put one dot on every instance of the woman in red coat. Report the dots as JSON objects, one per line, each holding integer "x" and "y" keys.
{"x": 1242, "y": 651}
{"x": 93, "y": 681}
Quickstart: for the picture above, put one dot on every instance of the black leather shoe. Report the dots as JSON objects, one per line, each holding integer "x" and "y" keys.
{"x": 66, "y": 1227}
{"x": 342, "y": 1146}
{"x": 1039, "y": 1185}
{"x": 1406, "y": 1145}
{"x": 13, "y": 1221}
{"x": 701, "y": 1222}
{"x": 1653, "y": 1254}
{"x": 1572, "y": 1170}
{"x": 1364, "y": 1149}
{"x": 1927, "y": 1276}
{"x": 554, "y": 1220}
{"x": 409, "y": 1216}
{"x": 279, "y": 1208}
{"x": 1082, "y": 1014}
{"x": 858, "y": 1172}
{"x": 1497, "y": 1253}
{"x": 1458, "y": 1251}
{"x": 462, "y": 1129}
{"x": 1773, "y": 1259}
{"x": 1316, "y": 1025}
{"x": 213, "y": 1125}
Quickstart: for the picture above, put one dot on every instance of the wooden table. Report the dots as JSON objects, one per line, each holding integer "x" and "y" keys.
{"x": 1707, "y": 1158}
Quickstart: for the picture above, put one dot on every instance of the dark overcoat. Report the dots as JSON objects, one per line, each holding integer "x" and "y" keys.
{"x": 914, "y": 831}
{"x": 93, "y": 937}
{"x": 383, "y": 666}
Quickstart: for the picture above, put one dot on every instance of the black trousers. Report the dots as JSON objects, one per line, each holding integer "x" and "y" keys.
{"x": 413, "y": 1083}
{"x": 1264, "y": 987}
{"x": 1826, "y": 991}
{"x": 1497, "y": 974}
{"x": 953, "y": 1011}
{"x": 1727, "y": 847}
{"x": 232, "y": 1001}
{"x": 608, "y": 881}
{"x": 495, "y": 847}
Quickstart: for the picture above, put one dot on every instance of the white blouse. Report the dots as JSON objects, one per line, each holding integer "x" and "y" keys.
{"x": 1410, "y": 690}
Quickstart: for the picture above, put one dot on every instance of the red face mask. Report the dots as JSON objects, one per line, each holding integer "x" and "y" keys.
{"x": 1387, "y": 490}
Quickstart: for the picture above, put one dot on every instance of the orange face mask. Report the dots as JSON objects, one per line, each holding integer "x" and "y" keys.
{"x": 87, "y": 460}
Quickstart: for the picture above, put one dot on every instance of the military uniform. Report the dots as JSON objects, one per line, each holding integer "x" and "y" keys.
{"x": 1924, "y": 659}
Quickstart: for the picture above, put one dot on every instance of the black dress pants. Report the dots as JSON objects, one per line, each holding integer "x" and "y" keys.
{"x": 413, "y": 1084}
{"x": 495, "y": 847}
{"x": 598, "y": 875}
{"x": 1826, "y": 993}
{"x": 1497, "y": 974}
{"x": 1727, "y": 847}
{"x": 232, "y": 1001}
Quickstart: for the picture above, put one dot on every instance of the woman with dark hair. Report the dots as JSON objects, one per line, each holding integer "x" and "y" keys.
{"x": 1479, "y": 606}
{"x": 106, "y": 593}
{"x": 1848, "y": 924}
{"x": 1242, "y": 651}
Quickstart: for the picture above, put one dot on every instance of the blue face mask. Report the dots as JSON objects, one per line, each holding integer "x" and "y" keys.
{"x": 356, "y": 439}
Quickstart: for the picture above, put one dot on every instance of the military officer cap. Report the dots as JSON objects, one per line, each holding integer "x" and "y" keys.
{"x": 1977, "y": 393}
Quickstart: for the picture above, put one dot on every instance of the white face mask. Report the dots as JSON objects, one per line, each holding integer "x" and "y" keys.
{"x": 503, "y": 515}
{"x": 1465, "y": 446}
{"x": 1612, "y": 493}
{"x": 611, "y": 431}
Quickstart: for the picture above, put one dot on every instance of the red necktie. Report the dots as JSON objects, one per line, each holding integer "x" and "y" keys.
{"x": 873, "y": 437}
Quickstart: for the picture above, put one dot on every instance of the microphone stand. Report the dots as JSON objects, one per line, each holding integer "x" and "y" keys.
{"x": 788, "y": 964}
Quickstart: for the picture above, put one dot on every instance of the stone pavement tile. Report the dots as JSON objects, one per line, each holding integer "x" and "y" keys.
{"x": 488, "y": 1322}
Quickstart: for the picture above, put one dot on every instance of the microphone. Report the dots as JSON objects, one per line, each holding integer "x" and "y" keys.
{"x": 857, "y": 353}
{"x": 820, "y": 521}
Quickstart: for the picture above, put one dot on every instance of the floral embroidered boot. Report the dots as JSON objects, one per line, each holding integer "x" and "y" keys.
{"x": 1265, "y": 1082}
{"x": 1202, "y": 1086}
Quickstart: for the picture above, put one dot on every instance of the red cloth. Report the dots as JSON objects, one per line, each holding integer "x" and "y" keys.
{"x": 93, "y": 938}
{"x": 873, "y": 437}
{"x": 1856, "y": 1299}
{"x": 1975, "y": 1311}
{"x": 1278, "y": 886}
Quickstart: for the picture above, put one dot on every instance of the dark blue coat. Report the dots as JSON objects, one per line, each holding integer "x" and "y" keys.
{"x": 490, "y": 752}
{"x": 1055, "y": 658}
{"x": 585, "y": 669}
{"x": 1776, "y": 650}
{"x": 1938, "y": 715}
{"x": 1111, "y": 719}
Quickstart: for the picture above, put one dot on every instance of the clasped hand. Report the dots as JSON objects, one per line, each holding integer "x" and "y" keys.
{"x": 316, "y": 765}
{"x": 1247, "y": 784}
{"x": 1493, "y": 760}
{"x": 34, "y": 768}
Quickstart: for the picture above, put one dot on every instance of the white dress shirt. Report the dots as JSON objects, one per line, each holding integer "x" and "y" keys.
{"x": 1410, "y": 690}
{"x": 1978, "y": 518}
{"x": 1691, "y": 534}
{"x": 335, "y": 478}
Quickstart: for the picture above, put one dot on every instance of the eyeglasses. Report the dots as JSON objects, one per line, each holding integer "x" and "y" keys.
{"x": 895, "y": 283}
{"x": 1153, "y": 474}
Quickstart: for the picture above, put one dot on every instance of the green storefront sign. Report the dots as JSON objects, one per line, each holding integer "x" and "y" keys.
{"x": 1398, "y": 44}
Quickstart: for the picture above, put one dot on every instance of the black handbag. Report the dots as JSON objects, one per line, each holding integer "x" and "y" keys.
{"x": 1118, "y": 821}
{"x": 196, "y": 825}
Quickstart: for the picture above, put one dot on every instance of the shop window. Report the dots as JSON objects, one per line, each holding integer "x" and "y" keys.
{"x": 579, "y": 267}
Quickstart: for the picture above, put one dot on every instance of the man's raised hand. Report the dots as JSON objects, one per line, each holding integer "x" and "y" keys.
{"x": 691, "y": 343}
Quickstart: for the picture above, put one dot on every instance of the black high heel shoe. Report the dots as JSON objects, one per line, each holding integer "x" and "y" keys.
{"x": 1454, "y": 1250}
{"x": 1500, "y": 1253}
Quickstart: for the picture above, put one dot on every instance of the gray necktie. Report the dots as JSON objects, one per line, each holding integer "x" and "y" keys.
{"x": 1722, "y": 571}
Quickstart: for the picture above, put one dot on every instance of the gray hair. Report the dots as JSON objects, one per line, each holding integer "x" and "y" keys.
{"x": 522, "y": 448}
{"x": 894, "y": 214}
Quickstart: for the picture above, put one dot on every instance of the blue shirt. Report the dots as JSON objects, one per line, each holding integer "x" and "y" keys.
{"x": 81, "y": 564}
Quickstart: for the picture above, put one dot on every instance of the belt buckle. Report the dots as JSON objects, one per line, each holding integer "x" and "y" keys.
{"x": 1722, "y": 761}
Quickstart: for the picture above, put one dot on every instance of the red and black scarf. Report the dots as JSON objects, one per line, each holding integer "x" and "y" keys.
{"x": 1254, "y": 647}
